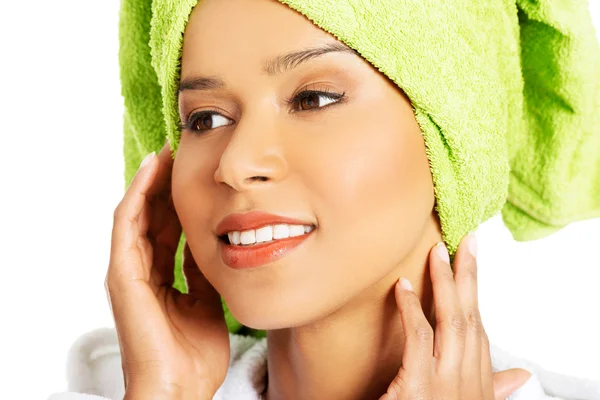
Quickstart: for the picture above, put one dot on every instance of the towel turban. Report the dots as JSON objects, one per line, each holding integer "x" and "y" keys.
{"x": 507, "y": 96}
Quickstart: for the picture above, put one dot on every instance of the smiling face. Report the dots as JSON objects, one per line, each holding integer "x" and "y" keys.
{"x": 320, "y": 137}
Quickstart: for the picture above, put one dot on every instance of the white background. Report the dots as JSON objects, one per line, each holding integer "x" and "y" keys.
{"x": 62, "y": 175}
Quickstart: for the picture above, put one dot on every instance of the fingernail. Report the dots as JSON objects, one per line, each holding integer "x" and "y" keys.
{"x": 147, "y": 159}
{"x": 472, "y": 244}
{"x": 405, "y": 284}
{"x": 442, "y": 252}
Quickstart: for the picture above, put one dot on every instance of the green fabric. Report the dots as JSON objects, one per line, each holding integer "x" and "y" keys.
{"x": 555, "y": 156}
{"x": 504, "y": 94}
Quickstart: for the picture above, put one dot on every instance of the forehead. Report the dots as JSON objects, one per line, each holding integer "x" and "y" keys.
{"x": 226, "y": 31}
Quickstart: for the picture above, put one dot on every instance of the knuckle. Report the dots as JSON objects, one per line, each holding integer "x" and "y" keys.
{"x": 118, "y": 212}
{"x": 458, "y": 324}
{"x": 399, "y": 386}
{"x": 423, "y": 334}
{"x": 474, "y": 321}
{"x": 110, "y": 283}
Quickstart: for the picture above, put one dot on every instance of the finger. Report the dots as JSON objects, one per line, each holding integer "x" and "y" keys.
{"x": 450, "y": 328}
{"x": 198, "y": 286}
{"x": 129, "y": 295}
{"x": 125, "y": 233}
{"x": 418, "y": 341}
{"x": 165, "y": 168}
{"x": 507, "y": 382}
{"x": 465, "y": 267}
{"x": 164, "y": 229}
{"x": 160, "y": 189}
{"x": 165, "y": 240}
{"x": 486, "y": 363}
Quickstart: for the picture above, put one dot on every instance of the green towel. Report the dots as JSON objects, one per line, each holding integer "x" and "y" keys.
{"x": 555, "y": 155}
{"x": 507, "y": 96}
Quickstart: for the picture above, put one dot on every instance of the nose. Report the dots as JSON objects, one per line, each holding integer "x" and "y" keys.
{"x": 254, "y": 155}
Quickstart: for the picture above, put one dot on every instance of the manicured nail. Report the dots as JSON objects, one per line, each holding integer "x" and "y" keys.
{"x": 147, "y": 159}
{"x": 472, "y": 244}
{"x": 442, "y": 252}
{"x": 405, "y": 284}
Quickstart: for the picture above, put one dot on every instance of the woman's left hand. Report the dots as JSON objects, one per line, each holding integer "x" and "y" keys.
{"x": 454, "y": 363}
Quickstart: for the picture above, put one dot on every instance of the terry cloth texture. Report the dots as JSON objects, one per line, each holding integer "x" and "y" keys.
{"x": 94, "y": 367}
{"x": 506, "y": 94}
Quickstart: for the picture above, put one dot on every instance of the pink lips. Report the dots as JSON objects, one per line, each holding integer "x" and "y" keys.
{"x": 241, "y": 257}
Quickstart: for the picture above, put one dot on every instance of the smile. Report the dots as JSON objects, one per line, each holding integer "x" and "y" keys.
{"x": 257, "y": 238}
{"x": 267, "y": 234}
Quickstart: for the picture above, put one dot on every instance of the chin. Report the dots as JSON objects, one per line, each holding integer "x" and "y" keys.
{"x": 270, "y": 315}
{"x": 287, "y": 309}
{"x": 265, "y": 319}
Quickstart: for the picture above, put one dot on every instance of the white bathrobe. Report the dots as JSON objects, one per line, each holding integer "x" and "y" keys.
{"x": 94, "y": 372}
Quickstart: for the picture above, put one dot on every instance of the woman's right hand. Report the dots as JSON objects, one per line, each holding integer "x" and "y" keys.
{"x": 173, "y": 345}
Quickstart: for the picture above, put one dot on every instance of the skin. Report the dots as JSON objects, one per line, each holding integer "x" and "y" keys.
{"x": 368, "y": 148}
{"x": 356, "y": 169}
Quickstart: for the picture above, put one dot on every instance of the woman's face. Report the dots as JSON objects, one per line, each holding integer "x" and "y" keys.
{"x": 324, "y": 139}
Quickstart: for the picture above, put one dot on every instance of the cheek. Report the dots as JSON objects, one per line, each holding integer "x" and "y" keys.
{"x": 362, "y": 165}
{"x": 372, "y": 190}
{"x": 368, "y": 182}
{"x": 195, "y": 195}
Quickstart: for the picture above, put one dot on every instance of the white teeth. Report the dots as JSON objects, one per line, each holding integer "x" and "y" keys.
{"x": 267, "y": 234}
{"x": 248, "y": 237}
{"x": 234, "y": 237}
{"x": 264, "y": 234}
{"x": 281, "y": 231}
{"x": 296, "y": 230}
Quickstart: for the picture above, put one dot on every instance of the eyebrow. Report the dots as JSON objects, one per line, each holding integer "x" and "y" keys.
{"x": 275, "y": 66}
{"x": 289, "y": 61}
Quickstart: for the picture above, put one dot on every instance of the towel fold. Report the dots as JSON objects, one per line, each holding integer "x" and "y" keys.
{"x": 555, "y": 155}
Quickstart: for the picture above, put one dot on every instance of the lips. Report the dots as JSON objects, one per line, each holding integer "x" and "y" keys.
{"x": 242, "y": 257}
{"x": 253, "y": 220}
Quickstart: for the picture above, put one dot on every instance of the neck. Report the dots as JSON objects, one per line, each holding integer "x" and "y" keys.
{"x": 353, "y": 353}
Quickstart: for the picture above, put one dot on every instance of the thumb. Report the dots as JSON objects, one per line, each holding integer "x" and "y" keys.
{"x": 506, "y": 382}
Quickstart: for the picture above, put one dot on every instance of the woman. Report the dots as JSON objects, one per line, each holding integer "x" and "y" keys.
{"x": 303, "y": 185}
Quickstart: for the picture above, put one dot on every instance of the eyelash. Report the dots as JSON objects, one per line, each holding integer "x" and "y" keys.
{"x": 337, "y": 97}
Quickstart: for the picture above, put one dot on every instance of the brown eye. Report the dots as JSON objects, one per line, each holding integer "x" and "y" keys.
{"x": 311, "y": 100}
{"x": 204, "y": 121}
